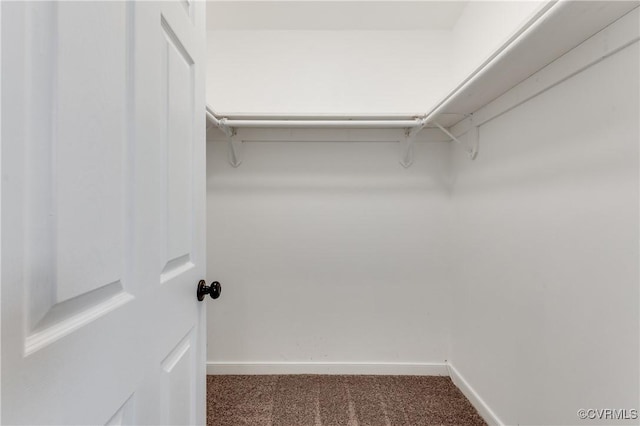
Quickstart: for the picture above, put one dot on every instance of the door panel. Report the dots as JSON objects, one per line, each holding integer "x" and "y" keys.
{"x": 178, "y": 87}
{"x": 102, "y": 212}
{"x": 124, "y": 415}
{"x": 178, "y": 383}
{"x": 89, "y": 145}
{"x": 75, "y": 170}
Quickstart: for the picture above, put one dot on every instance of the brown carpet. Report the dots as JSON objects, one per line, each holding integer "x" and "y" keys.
{"x": 309, "y": 400}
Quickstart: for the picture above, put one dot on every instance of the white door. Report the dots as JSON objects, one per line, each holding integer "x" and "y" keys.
{"x": 103, "y": 186}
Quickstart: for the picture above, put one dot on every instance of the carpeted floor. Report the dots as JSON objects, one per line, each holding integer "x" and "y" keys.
{"x": 307, "y": 400}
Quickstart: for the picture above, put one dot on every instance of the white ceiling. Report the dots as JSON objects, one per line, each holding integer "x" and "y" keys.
{"x": 332, "y": 14}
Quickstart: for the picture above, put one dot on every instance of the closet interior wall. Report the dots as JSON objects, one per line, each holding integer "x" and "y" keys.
{"x": 331, "y": 253}
{"x": 545, "y": 251}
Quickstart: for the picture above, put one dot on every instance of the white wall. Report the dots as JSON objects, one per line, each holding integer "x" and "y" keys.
{"x": 546, "y": 248}
{"x": 327, "y": 72}
{"x": 351, "y": 72}
{"x": 328, "y": 252}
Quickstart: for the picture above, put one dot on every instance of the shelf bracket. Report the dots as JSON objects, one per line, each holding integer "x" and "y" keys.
{"x": 406, "y": 148}
{"x": 234, "y": 152}
{"x": 234, "y": 145}
{"x": 473, "y": 136}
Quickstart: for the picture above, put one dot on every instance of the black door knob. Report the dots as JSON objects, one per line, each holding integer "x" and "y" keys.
{"x": 212, "y": 290}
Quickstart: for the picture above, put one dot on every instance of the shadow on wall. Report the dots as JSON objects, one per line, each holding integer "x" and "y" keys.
{"x": 329, "y": 166}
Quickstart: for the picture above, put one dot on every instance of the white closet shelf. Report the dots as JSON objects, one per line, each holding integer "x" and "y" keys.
{"x": 555, "y": 29}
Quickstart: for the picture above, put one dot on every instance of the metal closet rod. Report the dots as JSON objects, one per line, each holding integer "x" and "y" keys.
{"x": 317, "y": 116}
{"x": 312, "y": 123}
{"x": 308, "y": 121}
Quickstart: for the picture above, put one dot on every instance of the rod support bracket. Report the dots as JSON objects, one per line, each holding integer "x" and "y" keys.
{"x": 234, "y": 151}
{"x": 225, "y": 128}
{"x": 473, "y": 137}
{"x": 410, "y": 133}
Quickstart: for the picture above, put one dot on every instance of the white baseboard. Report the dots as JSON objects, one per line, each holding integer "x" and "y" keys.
{"x": 409, "y": 369}
{"x": 487, "y": 413}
